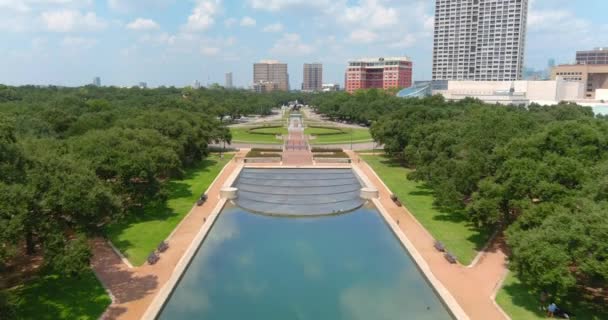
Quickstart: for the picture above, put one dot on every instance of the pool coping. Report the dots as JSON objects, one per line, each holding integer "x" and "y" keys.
{"x": 165, "y": 292}
{"x": 444, "y": 294}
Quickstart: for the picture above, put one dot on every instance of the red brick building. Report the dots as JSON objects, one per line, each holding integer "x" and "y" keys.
{"x": 381, "y": 73}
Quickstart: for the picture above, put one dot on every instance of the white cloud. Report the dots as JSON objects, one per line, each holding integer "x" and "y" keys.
{"x": 133, "y": 5}
{"x": 203, "y": 15}
{"x": 230, "y": 22}
{"x": 275, "y": 27}
{"x": 406, "y": 41}
{"x": 372, "y": 13}
{"x": 72, "y": 21}
{"x": 210, "y": 51}
{"x": 363, "y": 36}
{"x": 248, "y": 22}
{"x": 78, "y": 42}
{"x": 141, "y": 24}
{"x": 278, "y": 5}
{"x": 291, "y": 44}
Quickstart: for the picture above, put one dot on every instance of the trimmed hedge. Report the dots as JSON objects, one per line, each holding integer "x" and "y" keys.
{"x": 264, "y": 153}
{"x": 253, "y": 130}
{"x": 318, "y": 149}
{"x": 336, "y": 129}
{"x": 340, "y": 155}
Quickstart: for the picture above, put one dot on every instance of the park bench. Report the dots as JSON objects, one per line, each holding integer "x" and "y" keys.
{"x": 162, "y": 247}
{"x": 202, "y": 200}
{"x": 153, "y": 258}
{"x": 450, "y": 258}
{"x": 439, "y": 246}
{"x": 396, "y": 200}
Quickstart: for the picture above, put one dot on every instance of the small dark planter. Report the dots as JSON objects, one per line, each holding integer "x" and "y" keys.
{"x": 450, "y": 258}
{"x": 153, "y": 258}
{"x": 162, "y": 247}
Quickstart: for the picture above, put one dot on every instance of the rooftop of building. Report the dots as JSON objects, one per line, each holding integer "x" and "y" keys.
{"x": 270, "y": 62}
{"x": 381, "y": 59}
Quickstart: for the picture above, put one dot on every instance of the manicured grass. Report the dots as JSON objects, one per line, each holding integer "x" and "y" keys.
{"x": 54, "y": 297}
{"x": 451, "y": 228}
{"x": 242, "y": 134}
{"x": 138, "y": 236}
{"x": 519, "y": 302}
{"x": 358, "y": 135}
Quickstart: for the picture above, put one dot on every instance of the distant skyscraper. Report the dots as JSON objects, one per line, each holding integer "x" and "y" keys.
{"x": 382, "y": 73}
{"x": 313, "y": 77}
{"x": 143, "y": 85}
{"x": 196, "y": 84}
{"x": 273, "y": 72}
{"x": 479, "y": 39}
{"x": 97, "y": 81}
{"x": 551, "y": 63}
{"x": 228, "y": 84}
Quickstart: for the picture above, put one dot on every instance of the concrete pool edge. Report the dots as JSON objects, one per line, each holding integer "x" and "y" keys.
{"x": 444, "y": 294}
{"x": 164, "y": 293}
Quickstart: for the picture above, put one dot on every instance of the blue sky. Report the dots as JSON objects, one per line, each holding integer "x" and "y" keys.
{"x": 174, "y": 42}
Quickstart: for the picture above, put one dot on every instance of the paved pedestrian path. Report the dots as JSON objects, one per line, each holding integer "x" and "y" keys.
{"x": 473, "y": 287}
{"x": 133, "y": 289}
{"x": 296, "y": 151}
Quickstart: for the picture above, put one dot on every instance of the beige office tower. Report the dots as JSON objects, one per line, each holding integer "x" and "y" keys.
{"x": 271, "y": 71}
{"x": 480, "y": 40}
{"x": 313, "y": 77}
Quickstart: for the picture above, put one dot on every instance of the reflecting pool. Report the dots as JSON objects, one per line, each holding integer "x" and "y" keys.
{"x": 347, "y": 266}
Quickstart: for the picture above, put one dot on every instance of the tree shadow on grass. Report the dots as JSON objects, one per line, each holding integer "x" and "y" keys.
{"x": 521, "y": 297}
{"x": 479, "y": 237}
{"x": 158, "y": 209}
{"x": 51, "y": 296}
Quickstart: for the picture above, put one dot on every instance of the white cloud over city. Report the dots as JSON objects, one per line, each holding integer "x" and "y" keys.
{"x": 203, "y": 39}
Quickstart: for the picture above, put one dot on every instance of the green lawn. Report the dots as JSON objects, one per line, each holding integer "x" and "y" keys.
{"x": 242, "y": 134}
{"x": 358, "y": 135}
{"x": 451, "y": 228}
{"x": 53, "y": 297}
{"x": 519, "y": 302}
{"x": 137, "y": 237}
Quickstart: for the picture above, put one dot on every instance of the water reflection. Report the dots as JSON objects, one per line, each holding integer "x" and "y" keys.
{"x": 339, "y": 267}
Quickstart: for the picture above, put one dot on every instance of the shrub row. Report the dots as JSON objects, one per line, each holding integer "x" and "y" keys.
{"x": 319, "y": 149}
{"x": 336, "y": 132}
{"x": 254, "y": 130}
{"x": 264, "y": 153}
{"x": 340, "y": 155}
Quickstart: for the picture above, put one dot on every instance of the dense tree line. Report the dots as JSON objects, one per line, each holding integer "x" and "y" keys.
{"x": 540, "y": 174}
{"x": 73, "y": 160}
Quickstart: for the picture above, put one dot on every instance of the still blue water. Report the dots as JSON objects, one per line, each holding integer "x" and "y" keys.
{"x": 340, "y": 267}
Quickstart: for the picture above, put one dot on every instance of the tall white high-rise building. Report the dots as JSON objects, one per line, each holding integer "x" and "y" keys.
{"x": 480, "y": 40}
{"x": 228, "y": 84}
{"x": 97, "y": 81}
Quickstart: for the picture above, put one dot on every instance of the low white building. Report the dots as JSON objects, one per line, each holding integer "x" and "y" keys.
{"x": 515, "y": 92}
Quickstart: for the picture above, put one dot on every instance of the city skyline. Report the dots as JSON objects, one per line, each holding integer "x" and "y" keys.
{"x": 167, "y": 42}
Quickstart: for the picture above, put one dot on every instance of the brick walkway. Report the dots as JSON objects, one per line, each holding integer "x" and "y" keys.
{"x": 133, "y": 289}
{"x": 296, "y": 151}
{"x": 473, "y": 287}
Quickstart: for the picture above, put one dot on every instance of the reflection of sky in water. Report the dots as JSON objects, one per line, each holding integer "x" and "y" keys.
{"x": 342, "y": 267}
